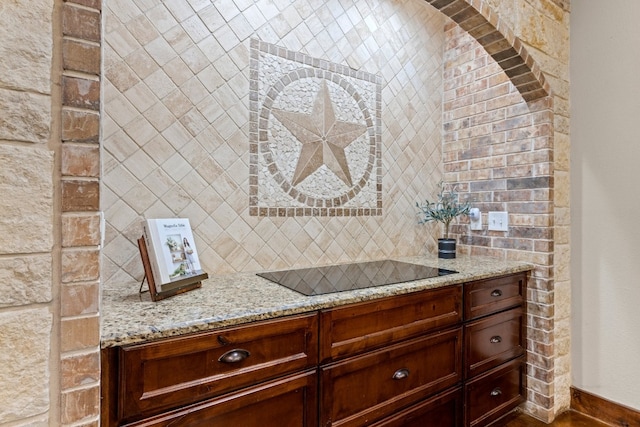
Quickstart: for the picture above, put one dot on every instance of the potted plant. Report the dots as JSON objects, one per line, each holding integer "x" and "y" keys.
{"x": 445, "y": 209}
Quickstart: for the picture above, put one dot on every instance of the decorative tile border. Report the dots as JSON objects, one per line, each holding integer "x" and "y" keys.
{"x": 315, "y": 136}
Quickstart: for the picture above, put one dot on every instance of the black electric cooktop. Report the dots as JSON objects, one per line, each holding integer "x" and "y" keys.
{"x": 347, "y": 277}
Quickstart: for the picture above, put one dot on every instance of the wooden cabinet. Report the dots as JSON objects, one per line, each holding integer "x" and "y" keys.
{"x": 442, "y": 410}
{"x": 287, "y": 402}
{"x": 156, "y": 377}
{"x": 447, "y": 357}
{"x": 493, "y": 394}
{"x": 367, "y": 388}
{"x": 494, "y": 337}
{"x": 354, "y": 329}
{"x": 489, "y": 296}
{"x": 380, "y": 357}
{"x": 493, "y": 340}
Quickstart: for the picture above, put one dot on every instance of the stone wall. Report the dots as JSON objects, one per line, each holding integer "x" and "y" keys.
{"x": 27, "y": 206}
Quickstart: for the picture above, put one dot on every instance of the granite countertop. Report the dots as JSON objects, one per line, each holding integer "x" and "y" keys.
{"x": 129, "y": 317}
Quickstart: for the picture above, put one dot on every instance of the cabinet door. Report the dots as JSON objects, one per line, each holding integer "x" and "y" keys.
{"x": 163, "y": 375}
{"x": 357, "y": 328}
{"x": 493, "y": 340}
{"x": 364, "y": 389}
{"x": 444, "y": 410}
{"x": 494, "y": 393}
{"x": 288, "y": 402}
{"x": 492, "y": 295}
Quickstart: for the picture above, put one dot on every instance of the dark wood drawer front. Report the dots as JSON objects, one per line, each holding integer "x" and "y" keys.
{"x": 493, "y": 394}
{"x": 288, "y": 402}
{"x": 361, "y": 327}
{"x": 168, "y": 373}
{"x": 443, "y": 410}
{"x": 493, "y": 340}
{"x": 493, "y": 295}
{"x": 358, "y": 391}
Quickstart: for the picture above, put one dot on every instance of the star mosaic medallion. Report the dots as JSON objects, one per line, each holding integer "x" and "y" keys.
{"x": 314, "y": 135}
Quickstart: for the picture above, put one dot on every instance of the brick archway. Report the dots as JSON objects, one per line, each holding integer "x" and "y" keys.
{"x": 500, "y": 43}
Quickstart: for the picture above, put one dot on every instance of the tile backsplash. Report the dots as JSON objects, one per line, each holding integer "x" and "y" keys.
{"x": 177, "y": 129}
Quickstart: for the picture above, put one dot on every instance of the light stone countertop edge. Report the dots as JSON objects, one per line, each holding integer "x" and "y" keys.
{"x": 128, "y": 317}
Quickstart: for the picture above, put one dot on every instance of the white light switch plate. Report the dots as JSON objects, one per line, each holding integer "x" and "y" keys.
{"x": 498, "y": 221}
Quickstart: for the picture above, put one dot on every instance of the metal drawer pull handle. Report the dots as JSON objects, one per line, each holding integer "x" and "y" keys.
{"x": 495, "y": 339}
{"x": 496, "y": 293}
{"x": 234, "y": 356}
{"x": 496, "y": 392}
{"x": 400, "y": 374}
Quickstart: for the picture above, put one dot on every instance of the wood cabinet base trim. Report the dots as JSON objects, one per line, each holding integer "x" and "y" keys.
{"x": 602, "y": 409}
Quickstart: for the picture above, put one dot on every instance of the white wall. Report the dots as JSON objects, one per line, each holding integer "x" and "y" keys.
{"x": 605, "y": 173}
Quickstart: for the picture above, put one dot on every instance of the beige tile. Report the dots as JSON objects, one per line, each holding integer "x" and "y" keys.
{"x": 226, "y": 37}
{"x": 195, "y": 28}
{"x": 241, "y": 27}
{"x": 228, "y": 10}
{"x": 180, "y": 9}
{"x": 142, "y": 29}
{"x": 160, "y": 51}
{"x": 161, "y": 18}
{"x": 122, "y": 42}
{"x": 177, "y": 102}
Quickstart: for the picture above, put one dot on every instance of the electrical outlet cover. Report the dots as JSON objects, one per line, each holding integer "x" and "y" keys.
{"x": 476, "y": 224}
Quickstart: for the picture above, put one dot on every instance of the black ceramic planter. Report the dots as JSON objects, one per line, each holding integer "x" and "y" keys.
{"x": 446, "y": 248}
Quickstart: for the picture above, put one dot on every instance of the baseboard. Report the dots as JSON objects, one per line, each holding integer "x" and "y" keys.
{"x": 604, "y": 410}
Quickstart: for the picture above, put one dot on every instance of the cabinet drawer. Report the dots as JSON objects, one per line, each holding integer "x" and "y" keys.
{"x": 287, "y": 402}
{"x": 495, "y": 393}
{"x": 493, "y": 340}
{"x": 444, "y": 410}
{"x": 165, "y": 374}
{"x": 490, "y": 296}
{"x": 351, "y": 330}
{"x": 358, "y": 391}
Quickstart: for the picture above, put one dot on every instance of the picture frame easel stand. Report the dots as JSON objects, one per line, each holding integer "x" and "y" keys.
{"x": 182, "y": 286}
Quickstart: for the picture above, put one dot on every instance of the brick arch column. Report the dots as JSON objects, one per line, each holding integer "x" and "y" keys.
{"x": 477, "y": 18}
{"x": 500, "y": 148}
{"x": 79, "y": 42}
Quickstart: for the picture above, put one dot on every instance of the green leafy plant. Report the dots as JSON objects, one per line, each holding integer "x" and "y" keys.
{"x": 445, "y": 209}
